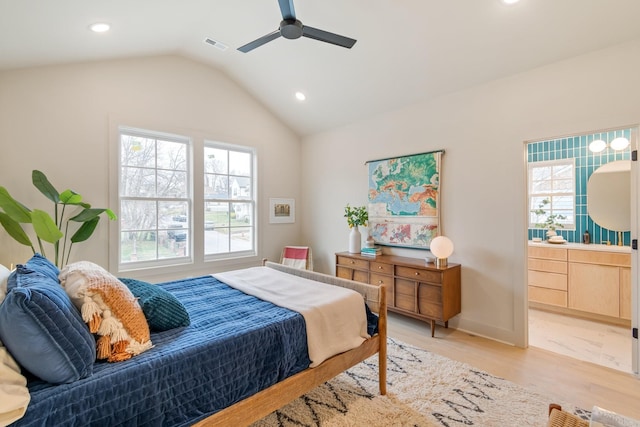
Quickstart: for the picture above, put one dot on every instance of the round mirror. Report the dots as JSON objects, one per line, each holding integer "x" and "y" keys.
{"x": 609, "y": 196}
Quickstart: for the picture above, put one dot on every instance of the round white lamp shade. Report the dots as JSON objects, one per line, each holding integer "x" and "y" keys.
{"x": 442, "y": 248}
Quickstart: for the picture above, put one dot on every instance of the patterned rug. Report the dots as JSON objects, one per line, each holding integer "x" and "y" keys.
{"x": 424, "y": 389}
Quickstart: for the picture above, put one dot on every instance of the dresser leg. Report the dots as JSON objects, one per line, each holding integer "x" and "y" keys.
{"x": 433, "y": 328}
{"x": 446, "y": 324}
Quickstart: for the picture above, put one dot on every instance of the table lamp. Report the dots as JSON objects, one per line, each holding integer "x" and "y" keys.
{"x": 442, "y": 248}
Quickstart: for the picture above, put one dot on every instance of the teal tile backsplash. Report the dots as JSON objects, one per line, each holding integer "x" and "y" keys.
{"x": 586, "y": 162}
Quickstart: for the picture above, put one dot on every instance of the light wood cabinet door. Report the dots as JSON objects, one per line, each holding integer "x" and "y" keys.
{"x": 625, "y": 293}
{"x": 594, "y": 288}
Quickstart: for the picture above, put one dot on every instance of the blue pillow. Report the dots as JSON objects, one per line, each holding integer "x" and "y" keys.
{"x": 37, "y": 264}
{"x": 44, "y": 331}
{"x": 161, "y": 308}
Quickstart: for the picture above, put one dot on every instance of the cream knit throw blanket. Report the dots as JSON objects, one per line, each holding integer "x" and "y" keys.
{"x": 110, "y": 310}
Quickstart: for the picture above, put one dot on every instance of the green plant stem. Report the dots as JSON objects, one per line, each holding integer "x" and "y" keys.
{"x": 68, "y": 253}
{"x": 64, "y": 244}
{"x": 41, "y": 248}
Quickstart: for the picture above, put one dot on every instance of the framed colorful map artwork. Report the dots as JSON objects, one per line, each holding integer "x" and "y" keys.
{"x": 404, "y": 200}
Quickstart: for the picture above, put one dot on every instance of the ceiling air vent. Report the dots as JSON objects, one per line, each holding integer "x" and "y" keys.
{"x": 215, "y": 43}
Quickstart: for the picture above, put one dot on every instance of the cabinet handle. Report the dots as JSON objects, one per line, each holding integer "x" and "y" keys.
{"x": 380, "y": 282}
{"x": 379, "y": 267}
{"x": 417, "y": 273}
{"x": 353, "y": 262}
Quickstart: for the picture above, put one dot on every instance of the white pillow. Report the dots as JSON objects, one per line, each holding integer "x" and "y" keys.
{"x": 4, "y": 275}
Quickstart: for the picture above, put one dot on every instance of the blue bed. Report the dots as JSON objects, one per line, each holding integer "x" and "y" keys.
{"x": 235, "y": 346}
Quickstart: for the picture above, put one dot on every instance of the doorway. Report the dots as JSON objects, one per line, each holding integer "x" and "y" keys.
{"x": 580, "y": 296}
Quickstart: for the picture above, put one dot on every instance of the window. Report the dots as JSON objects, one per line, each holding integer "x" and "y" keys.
{"x": 154, "y": 197}
{"x": 168, "y": 215}
{"x": 552, "y": 193}
{"x": 229, "y": 201}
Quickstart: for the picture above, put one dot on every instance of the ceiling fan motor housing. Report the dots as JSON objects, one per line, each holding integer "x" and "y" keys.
{"x": 291, "y": 29}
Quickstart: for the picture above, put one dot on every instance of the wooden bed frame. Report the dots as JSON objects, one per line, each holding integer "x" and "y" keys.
{"x": 266, "y": 401}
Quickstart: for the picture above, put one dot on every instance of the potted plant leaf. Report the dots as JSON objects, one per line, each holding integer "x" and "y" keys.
{"x": 81, "y": 221}
{"x": 356, "y": 216}
{"x": 550, "y": 221}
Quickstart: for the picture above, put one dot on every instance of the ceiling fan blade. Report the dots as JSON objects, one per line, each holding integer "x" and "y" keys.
{"x": 259, "y": 42}
{"x": 286, "y": 7}
{"x": 325, "y": 36}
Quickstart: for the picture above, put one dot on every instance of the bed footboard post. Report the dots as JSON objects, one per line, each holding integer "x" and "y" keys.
{"x": 382, "y": 332}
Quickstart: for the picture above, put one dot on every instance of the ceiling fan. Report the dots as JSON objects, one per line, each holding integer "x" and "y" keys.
{"x": 291, "y": 28}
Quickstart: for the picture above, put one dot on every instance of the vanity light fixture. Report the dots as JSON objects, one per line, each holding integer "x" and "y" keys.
{"x": 620, "y": 143}
{"x": 300, "y": 96}
{"x": 100, "y": 27}
{"x": 597, "y": 146}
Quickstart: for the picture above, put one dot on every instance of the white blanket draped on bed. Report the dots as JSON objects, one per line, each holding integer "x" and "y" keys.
{"x": 335, "y": 317}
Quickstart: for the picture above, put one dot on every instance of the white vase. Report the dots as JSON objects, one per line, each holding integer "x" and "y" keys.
{"x": 355, "y": 240}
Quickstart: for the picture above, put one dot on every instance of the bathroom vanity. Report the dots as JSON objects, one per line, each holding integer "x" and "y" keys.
{"x": 591, "y": 281}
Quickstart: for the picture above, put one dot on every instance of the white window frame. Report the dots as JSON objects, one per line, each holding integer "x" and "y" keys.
{"x": 187, "y": 259}
{"x": 196, "y": 263}
{"x": 551, "y": 194}
{"x": 252, "y": 200}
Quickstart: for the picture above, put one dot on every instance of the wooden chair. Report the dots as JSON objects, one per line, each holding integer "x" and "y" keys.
{"x": 297, "y": 256}
{"x": 560, "y": 418}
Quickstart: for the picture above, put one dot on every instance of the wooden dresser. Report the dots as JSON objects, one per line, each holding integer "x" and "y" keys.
{"x": 414, "y": 287}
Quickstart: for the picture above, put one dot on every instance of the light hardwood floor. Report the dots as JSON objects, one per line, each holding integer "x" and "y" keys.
{"x": 582, "y": 383}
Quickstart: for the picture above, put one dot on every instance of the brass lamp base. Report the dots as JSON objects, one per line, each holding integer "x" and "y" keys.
{"x": 441, "y": 262}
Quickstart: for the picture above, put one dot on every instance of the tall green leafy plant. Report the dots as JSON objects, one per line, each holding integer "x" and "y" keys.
{"x": 82, "y": 220}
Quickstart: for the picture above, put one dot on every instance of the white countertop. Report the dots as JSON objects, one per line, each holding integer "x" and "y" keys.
{"x": 582, "y": 246}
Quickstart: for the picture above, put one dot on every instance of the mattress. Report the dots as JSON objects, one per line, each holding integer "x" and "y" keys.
{"x": 235, "y": 346}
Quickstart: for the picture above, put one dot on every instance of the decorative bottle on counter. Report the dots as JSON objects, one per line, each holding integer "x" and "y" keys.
{"x": 586, "y": 237}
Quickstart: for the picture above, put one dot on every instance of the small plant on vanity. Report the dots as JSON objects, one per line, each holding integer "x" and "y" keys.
{"x": 551, "y": 222}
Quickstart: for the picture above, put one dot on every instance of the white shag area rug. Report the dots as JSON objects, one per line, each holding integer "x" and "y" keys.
{"x": 423, "y": 389}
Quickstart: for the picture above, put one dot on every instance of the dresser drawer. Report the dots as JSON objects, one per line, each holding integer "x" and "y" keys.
{"x": 600, "y": 258}
{"x": 382, "y": 268}
{"x": 380, "y": 279}
{"x": 547, "y": 265}
{"x": 548, "y": 296}
{"x": 418, "y": 274}
{"x": 353, "y": 262}
{"x": 548, "y": 252}
{"x": 543, "y": 279}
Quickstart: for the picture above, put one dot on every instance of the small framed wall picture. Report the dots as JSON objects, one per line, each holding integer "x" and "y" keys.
{"x": 282, "y": 211}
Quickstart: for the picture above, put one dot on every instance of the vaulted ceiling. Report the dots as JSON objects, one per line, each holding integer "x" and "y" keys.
{"x": 407, "y": 51}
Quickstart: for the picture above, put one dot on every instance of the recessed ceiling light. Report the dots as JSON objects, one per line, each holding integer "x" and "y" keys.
{"x": 300, "y": 96}
{"x": 100, "y": 27}
{"x": 510, "y": 1}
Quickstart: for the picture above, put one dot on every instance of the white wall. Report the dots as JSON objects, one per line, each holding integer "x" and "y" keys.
{"x": 56, "y": 119}
{"x": 482, "y": 130}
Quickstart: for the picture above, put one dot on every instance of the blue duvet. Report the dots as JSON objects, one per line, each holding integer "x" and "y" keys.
{"x": 235, "y": 346}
